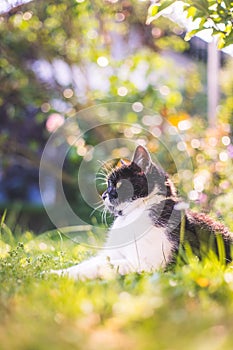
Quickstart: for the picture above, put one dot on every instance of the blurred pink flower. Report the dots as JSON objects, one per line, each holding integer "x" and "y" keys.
{"x": 202, "y": 198}
{"x": 54, "y": 121}
{"x": 230, "y": 150}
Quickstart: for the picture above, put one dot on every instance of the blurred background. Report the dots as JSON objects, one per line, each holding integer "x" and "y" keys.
{"x": 58, "y": 57}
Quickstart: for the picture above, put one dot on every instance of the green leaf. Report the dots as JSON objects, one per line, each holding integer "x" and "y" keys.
{"x": 191, "y": 11}
{"x": 3, "y": 217}
{"x": 229, "y": 39}
{"x": 153, "y": 10}
{"x": 201, "y": 5}
{"x": 190, "y": 34}
{"x": 221, "y": 249}
{"x": 228, "y": 3}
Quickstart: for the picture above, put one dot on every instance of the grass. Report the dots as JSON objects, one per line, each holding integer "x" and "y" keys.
{"x": 190, "y": 307}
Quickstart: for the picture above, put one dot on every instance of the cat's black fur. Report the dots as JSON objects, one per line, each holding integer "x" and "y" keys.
{"x": 200, "y": 230}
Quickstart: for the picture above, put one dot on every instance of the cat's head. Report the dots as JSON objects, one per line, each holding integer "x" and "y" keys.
{"x": 139, "y": 181}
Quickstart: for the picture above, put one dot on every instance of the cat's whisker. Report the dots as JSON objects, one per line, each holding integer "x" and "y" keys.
{"x": 106, "y": 167}
{"x": 103, "y": 164}
{"x": 102, "y": 216}
{"x": 100, "y": 176}
{"x": 103, "y": 176}
{"x": 97, "y": 208}
{"x": 105, "y": 217}
{"x": 102, "y": 180}
{"x": 102, "y": 172}
{"x": 106, "y": 213}
{"x": 99, "y": 202}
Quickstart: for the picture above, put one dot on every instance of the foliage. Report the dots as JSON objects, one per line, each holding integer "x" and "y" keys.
{"x": 53, "y": 65}
{"x": 37, "y": 41}
{"x": 192, "y": 304}
{"x": 211, "y": 152}
{"x": 216, "y": 15}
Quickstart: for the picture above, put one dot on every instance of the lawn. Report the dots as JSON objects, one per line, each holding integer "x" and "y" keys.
{"x": 189, "y": 307}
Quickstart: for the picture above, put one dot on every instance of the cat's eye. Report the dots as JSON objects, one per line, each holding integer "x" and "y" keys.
{"x": 118, "y": 185}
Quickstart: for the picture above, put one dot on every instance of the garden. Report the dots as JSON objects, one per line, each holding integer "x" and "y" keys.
{"x": 82, "y": 83}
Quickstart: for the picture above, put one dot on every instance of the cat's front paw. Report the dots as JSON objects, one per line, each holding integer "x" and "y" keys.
{"x": 72, "y": 272}
{"x": 91, "y": 269}
{"x": 98, "y": 267}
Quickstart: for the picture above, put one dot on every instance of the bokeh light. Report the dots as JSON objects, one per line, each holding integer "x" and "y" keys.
{"x": 54, "y": 121}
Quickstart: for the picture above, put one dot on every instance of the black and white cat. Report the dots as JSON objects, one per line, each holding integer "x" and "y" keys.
{"x": 145, "y": 235}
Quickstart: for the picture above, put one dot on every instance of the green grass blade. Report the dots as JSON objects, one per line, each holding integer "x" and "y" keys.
{"x": 221, "y": 249}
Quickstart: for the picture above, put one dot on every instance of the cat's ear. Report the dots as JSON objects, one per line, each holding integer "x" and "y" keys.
{"x": 142, "y": 158}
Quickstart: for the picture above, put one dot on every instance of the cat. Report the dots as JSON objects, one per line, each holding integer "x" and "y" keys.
{"x": 147, "y": 230}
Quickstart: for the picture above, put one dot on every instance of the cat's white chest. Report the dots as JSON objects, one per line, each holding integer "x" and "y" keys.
{"x": 134, "y": 244}
{"x": 135, "y": 239}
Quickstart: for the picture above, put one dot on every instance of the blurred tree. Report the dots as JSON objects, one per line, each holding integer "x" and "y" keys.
{"x": 59, "y": 57}
{"x": 53, "y": 65}
{"x": 205, "y": 18}
{"x": 215, "y": 15}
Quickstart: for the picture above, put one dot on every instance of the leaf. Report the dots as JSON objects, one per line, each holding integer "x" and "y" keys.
{"x": 229, "y": 39}
{"x": 211, "y": 3}
{"x": 191, "y": 11}
{"x": 221, "y": 43}
{"x": 3, "y": 217}
{"x": 201, "y": 5}
{"x": 221, "y": 249}
{"x": 155, "y": 10}
{"x": 190, "y": 34}
{"x": 229, "y": 29}
{"x": 228, "y": 3}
